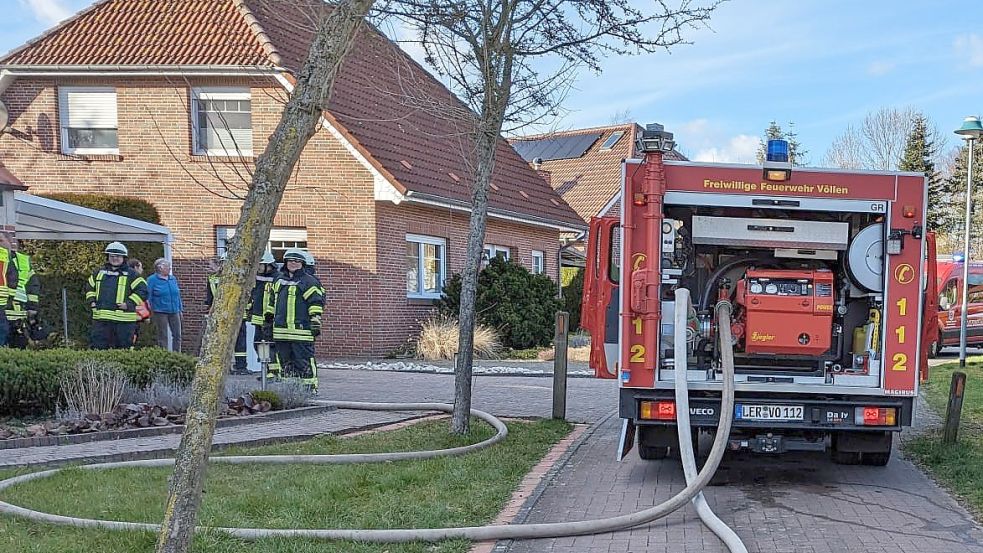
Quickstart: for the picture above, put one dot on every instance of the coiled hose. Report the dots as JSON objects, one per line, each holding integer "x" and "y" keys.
{"x": 474, "y": 533}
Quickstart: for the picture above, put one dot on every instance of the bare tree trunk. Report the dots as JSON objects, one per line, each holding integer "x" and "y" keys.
{"x": 485, "y": 148}
{"x": 332, "y": 41}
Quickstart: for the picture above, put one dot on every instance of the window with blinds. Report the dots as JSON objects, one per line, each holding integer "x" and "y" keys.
{"x": 88, "y": 120}
{"x": 222, "y": 121}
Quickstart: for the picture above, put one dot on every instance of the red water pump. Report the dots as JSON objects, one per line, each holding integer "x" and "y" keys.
{"x": 786, "y": 312}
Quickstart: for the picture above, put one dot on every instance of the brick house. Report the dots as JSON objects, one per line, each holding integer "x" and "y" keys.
{"x": 170, "y": 100}
{"x": 584, "y": 165}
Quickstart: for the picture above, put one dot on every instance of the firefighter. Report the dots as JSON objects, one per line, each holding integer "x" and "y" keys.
{"x": 114, "y": 292}
{"x": 9, "y": 278}
{"x": 240, "y": 357}
{"x": 295, "y": 314}
{"x": 22, "y": 310}
{"x": 258, "y": 300}
{"x": 311, "y": 269}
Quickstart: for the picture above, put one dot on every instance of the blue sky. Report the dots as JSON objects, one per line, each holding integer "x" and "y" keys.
{"x": 822, "y": 64}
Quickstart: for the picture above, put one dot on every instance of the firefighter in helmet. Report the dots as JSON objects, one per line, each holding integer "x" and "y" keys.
{"x": 310, "y": 265}
{"x": 240, "y": 356}
{"x": 295, "y": 314}
{"x": 22, "y": 310}
{"x": 114, "y": 292}
{"x": 261, "y": 297}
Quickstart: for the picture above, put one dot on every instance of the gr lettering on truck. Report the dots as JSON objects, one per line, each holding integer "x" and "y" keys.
{"x": 828, "y": 274}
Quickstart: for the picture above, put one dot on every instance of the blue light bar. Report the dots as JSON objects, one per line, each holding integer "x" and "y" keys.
{"x": 777, "y": 150}
{"x": 957, "y": 257}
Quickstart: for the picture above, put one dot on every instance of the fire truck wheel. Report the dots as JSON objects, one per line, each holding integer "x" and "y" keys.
{"x": 876, "y": 459}
{"x": 653, "y": 453}
{"x": 846, "y": 457}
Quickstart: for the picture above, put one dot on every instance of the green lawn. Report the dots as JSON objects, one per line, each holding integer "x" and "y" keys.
{"x": 454, "y": 491}
{"x": 960, "y": 466}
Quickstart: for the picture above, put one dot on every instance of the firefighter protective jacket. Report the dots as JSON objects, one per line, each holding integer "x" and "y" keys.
{"x": 28, "y": 292}
{"x": 212, "y": 290}
{"x": 261, "y": 297}
{"x": 296, "y": 299}
{"x": 110, "y": 286}
{"x": 8, "y": 277}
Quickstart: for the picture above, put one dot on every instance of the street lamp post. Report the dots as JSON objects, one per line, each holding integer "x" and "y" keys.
{"x": 971, "y": 131}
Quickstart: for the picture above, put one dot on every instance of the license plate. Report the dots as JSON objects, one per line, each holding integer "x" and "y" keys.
{"x": 768, "y": 412}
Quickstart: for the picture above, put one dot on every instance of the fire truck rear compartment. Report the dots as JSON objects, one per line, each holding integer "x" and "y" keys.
{"x": 798, "y": 303}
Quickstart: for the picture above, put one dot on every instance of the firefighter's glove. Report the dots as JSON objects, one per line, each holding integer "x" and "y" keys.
{"x": 316, "y": 326}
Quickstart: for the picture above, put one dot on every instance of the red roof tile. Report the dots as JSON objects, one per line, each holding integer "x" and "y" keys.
{"x": 391, "y": 107}
{"x": 8, "y": 180}
{"x": 150, "y": 32}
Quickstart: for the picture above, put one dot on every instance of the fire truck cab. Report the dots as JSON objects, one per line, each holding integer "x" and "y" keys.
{"x": 826, "y": 274}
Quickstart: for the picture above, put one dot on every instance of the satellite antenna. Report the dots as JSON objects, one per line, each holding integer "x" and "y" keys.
{"x": 4, "y": 117}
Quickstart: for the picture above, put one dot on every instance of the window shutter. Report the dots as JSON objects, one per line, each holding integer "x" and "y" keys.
{"x": 88, "y": 108}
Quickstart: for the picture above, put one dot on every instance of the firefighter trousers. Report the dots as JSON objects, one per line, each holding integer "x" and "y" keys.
{"x": 240, "y": 351}
{"x": 112, "y": 334}
{"x": 296, "y": 360}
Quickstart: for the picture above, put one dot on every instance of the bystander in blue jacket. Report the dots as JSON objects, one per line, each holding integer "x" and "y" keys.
{"x": 165, "y": 302}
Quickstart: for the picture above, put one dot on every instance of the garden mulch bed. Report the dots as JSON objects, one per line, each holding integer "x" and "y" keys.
{"x": 66, "y": 439}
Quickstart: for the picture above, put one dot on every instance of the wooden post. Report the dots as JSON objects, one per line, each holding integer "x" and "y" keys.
{"x": 954, "y": 410}
{"x": 560, "y": 365}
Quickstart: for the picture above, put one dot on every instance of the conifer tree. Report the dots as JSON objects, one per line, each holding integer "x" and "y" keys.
{"x": 920, "y": 150}
{"x": 796, "y": 154}
{"x": 957, "y": 183}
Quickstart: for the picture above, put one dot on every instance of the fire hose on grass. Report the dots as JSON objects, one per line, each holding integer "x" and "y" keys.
{"x": 475, "y": 533}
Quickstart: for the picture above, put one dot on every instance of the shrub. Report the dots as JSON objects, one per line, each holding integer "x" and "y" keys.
{"x": 68, "y": 264}
{"x": 30, "y": 381}
{"x": 162, "y": 391}
{"x": 573, "y": 294}
{"x": 267, "y": 395}
{"x": 519, "y": 304}
{"x": 92, "y": 387}
{"x": 292, "y": 394}
{"x": 439, "y": 338}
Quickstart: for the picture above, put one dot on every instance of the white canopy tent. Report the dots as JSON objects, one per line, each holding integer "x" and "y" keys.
{"x": 38, "y": 218}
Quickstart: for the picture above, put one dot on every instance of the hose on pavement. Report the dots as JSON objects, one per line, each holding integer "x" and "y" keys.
{"x": 474, "y": 533}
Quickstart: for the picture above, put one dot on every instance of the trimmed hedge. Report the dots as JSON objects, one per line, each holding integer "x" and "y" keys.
{"x": 68, "y": 264}
{"x": 30, "y": 380}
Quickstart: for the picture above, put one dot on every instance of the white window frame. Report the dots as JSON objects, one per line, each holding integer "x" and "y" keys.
{"x": 492, "y": 250}
{"x": 420, "y": 240}
{"x": 224, "y": 234}
{"x": 64, "y": 114}
{"x": 212, "y": 93}
{"x": 539, "y": 256}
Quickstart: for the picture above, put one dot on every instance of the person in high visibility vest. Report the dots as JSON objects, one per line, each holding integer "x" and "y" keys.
{"x": 240, "y": 358}
{"x": 9, "y": 277}
{"x": 295, "y": 315}
{"x": 255, "y": 310}
{"x": 114, "y": 291}
{"x": 22, "y": 310}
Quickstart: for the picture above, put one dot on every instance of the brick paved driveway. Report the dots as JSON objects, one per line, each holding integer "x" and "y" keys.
{"x": 796, "y": 503}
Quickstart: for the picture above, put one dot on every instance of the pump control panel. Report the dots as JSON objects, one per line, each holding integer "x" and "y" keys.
{"x": 787, "y": 312}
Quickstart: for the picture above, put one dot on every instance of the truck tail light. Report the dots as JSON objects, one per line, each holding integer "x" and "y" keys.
{"x": 658, "y": 410}
{"x": 876, "y": 416}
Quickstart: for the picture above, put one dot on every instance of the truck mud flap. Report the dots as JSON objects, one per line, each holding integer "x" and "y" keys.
{"x": 627, "y": 440}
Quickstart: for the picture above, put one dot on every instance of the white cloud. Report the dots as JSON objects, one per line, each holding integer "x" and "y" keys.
{"x": 48, "y": 11}
{"x": 880, "y": 68}
{"x": 970, "y": 47}
{"x": 742, "y": 148}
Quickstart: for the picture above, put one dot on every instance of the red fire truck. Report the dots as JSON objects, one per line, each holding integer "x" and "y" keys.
{"x": 827, "y": 276}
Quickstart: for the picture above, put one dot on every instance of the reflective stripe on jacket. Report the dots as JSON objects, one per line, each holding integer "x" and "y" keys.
{"x": 261, "y": 297}
{"x": 28, "y": 292}
{"x": 296, "y": 299}
{"x": 110, "y": 286}
{"x": 9, "y": 277}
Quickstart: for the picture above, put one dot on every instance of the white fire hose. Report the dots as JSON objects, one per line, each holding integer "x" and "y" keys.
{"x": 686, "y": 453}
{"x": 475, "y": 533}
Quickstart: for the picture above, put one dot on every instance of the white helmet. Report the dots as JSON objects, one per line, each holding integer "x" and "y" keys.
{"x": 116, "y": 248}
{"x": 309, "y": 259}
{"x": 295, "y": 254}
{"x": 267, "y": 258}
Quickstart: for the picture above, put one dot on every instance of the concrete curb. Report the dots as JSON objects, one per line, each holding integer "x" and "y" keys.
{"x": 446, "y": 373}
{"x": 72, "y": 439}
{"x": 168, "y": 452}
